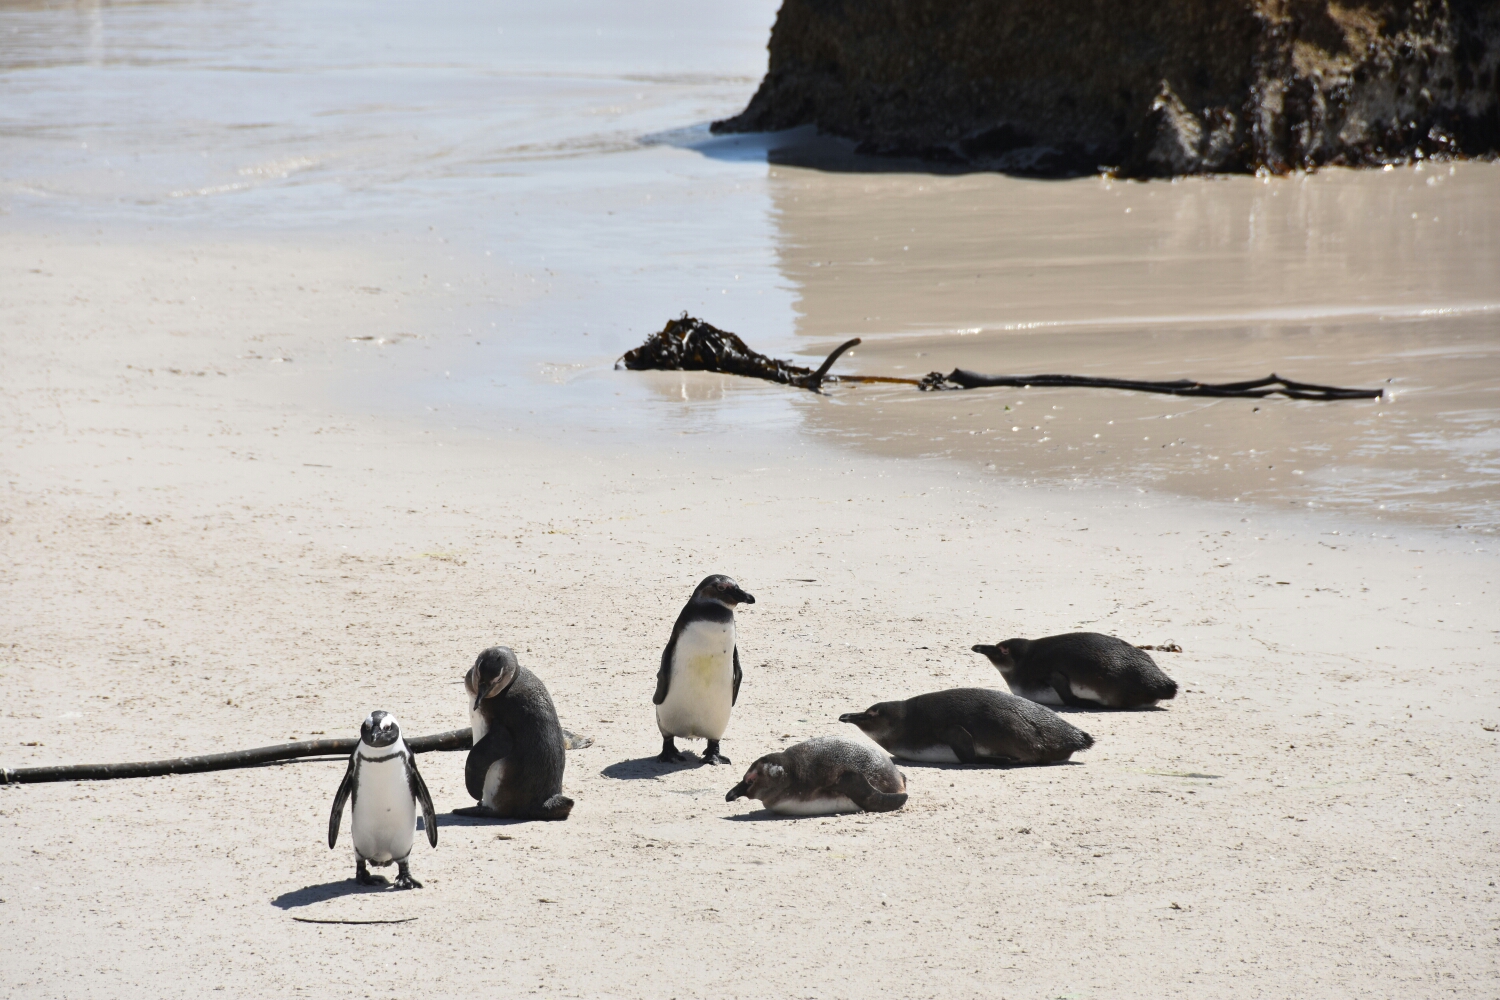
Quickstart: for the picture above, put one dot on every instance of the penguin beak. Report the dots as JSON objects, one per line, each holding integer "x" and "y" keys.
{"x": 738, "y": 791}
{"x": 741, "y": 597}
{"x": 985, "y": 650}
{"x": 855, "y": 717}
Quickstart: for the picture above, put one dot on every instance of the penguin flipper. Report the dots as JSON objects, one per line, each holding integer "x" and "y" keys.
{"x": 962, "y": 745}
{"x": 735, "y": 696}
{"x": 1064, "y": 689}
{"x": 664, "y": 675}
{"x": 496, "y": 745}
{"x": 857, "y": 789}
{"x": 346, "y": 787}
{"x": 423, "y": 796}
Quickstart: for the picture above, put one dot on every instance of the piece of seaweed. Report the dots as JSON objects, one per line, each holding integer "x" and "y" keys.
{"x": 690, "y": 344}
{"x": 1259, "y": 388}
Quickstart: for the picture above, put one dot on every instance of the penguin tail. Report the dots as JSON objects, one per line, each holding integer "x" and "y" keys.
{"x": 557, "y": 807}
{"x": 1167, "y": 690}
{"x": 1084, "y": 741}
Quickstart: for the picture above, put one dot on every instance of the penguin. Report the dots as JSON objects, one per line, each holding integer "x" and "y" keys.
{"x": 1080, "y": 670}
{"x": 699, "y": 679}
{"x": 515, "y": 769}
{"x": 823, "y": 776}
{"x": 970, "y": 726}
{"x": 384, "y": 788}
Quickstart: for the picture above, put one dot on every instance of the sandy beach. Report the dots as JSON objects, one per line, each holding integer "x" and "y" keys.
{"x": 278, "y": 456}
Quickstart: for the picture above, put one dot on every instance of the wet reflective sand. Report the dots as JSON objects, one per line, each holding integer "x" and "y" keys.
{"x": 1376, "y": 279}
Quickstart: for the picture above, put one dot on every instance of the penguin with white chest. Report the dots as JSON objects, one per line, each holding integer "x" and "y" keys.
{"x": 699, "y": 680}
{"x": 384, "y": 789}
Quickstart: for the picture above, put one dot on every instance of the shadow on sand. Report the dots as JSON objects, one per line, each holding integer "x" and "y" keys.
{"x": 458, "y": 819}
{"x": 310, "y": 894}
{"x": 649, "y": 767}
{"x": 939, "y": 766}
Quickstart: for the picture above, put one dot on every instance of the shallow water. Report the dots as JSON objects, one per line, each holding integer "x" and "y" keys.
{"x": 542, "y": 180}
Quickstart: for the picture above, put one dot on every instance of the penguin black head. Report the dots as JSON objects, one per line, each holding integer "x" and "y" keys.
{"x": 722, "y": 589}
{"x": 765, "y": 777}
{"x": 878, "y": 721}
{"x": 1004, "y": 654}
{"x": 491, "y": 674}
{"x": 380, "y": 729}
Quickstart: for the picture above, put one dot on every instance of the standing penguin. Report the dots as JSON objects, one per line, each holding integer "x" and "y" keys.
{"x": 1081, "y": 670}
{"x": 385, "y": 787}
{"x": 699, "y": 679}
{"x": 516, "y": 767}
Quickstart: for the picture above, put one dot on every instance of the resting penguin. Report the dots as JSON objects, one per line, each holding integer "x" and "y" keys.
{"x": 384, "y": 786}
{"x": 699, "y": 679}
{"x": 1080, "y": 669}
{"x": 970, "y": 726}
{"x": 822, "y": 776}
{"x": 516, "y": 767}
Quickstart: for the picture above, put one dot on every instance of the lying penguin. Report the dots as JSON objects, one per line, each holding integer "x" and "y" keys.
{"x": 383, "y": 783}
{"x": 823, "y": 776}
{"x": 1081, "y": 670}
{"x": 970, "y": 726}
{"x": 515, "y": 769}
{"x": 699, "y": 679}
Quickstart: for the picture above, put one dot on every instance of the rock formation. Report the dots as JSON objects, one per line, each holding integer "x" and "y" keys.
{"x": 1142, "y": 88}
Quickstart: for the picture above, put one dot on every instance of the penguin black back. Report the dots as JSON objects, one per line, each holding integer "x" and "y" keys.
{"x": 516, "y": 766}
{"x": 1080, "y": 669}
{"x": 971, "y": 726}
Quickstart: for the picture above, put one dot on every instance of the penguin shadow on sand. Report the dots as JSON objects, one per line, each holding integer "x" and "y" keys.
{"x": 639, "y": 768}
{"x": 323, "y": 892}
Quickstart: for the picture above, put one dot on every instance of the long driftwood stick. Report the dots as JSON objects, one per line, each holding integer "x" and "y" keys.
{"x": 456, "y": 739}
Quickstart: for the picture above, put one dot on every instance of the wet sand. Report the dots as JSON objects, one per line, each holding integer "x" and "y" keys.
{"x": 275, "y": 457}
{"x": 1374, "y": 279}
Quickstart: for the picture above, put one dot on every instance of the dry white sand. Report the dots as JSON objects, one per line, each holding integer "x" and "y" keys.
{"x": 206, "y": 550}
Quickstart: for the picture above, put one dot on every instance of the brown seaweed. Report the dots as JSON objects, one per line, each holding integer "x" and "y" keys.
{"x": 690, "y": 344}
{"x": 1259, "y": 388}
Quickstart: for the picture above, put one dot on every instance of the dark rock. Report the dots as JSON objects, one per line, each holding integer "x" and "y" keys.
{"x": 1156, "y": 88}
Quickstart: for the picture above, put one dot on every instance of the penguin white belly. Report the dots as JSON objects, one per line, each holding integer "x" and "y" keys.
{"x": 1086, "y": 693}
{"x": 495, "y": 776}
{"x": 385, "y": 813}
{"x": 701, "y": 690}
{"x": 1042, "y": 696}
{"x": 936, "y": 754}
{"x": 822, "y": 806}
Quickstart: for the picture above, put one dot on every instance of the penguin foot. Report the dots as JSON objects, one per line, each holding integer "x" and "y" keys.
{"x": 363, "y": 877}
{"x": 711, "y": 754}
{"x": 669, "y": 752}
{"x": 479, "y": 810}
{"x": 404, "y": 879}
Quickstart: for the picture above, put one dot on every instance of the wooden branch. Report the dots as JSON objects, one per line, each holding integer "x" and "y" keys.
{"x": 457, "y": 739}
